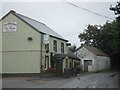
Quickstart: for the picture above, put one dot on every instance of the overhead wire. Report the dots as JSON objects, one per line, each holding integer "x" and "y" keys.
{"x": 88, "y": 10}
{"x": 66, "y": 35}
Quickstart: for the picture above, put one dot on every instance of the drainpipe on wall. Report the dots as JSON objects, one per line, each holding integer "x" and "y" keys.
{"x": 41, "y": 53}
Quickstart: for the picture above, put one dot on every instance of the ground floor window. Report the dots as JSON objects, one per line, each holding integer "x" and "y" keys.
{"x": 46, "y": 62}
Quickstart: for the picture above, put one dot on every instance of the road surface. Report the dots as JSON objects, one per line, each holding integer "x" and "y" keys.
{"x": 93, "y": 80}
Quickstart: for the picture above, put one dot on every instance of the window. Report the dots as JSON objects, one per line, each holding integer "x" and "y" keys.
{"x": 47, "y": 46}
{"x": 62, "y": 47}
{"x": 46, "y": 62}
{"x": 55, "y": 45}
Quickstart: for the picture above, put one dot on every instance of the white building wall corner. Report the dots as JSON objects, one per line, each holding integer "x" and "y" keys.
{"x": 103, "y": 62}
{"x": 82, "y": 64}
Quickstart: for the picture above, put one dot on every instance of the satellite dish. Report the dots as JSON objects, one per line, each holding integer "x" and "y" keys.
{"x": 30, "y": 38}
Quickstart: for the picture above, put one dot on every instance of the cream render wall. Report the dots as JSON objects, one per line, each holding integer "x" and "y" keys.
{"x": 19, "y": 54}
{"x": 13, "y": 41}
{"x": 21, "y": 62}
{"x": 0, "y": 47}
{"x": 25, "y": 56}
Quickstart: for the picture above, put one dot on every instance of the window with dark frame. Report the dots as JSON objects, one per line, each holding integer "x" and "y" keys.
{"x": 62, "y": 47}
{"x": 47, "y": 46}
{"x": 55, "y": 45}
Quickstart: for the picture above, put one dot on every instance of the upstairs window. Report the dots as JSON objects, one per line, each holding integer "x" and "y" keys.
{"x": 55, "y": 45}
{"x": 47, "y": 46}
{"x": 62, "y": 47}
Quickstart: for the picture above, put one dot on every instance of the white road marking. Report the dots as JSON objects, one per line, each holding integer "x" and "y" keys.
{"x": 95, "y": 84}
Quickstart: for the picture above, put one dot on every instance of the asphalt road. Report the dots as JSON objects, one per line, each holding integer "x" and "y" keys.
{"x": 98, "y": 80}
{"x": 94, "y": 80}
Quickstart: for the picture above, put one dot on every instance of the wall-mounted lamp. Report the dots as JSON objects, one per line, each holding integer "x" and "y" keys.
{"x": 68, "y": 44}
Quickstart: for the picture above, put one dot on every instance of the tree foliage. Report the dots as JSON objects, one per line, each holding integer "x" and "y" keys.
{"x": 72, "y": 48}
{"x": 116, "y": 10}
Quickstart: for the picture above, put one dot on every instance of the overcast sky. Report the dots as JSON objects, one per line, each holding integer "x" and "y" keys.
{"x": 67, "y": 20}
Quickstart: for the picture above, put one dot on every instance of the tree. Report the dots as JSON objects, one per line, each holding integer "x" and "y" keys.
{"x": 91, "y": 35}
{"x": 101, "y": 36}
{"x": 116, "y": 9}
{"x": 116, "y": 56}
{"x": 72, "y": 48}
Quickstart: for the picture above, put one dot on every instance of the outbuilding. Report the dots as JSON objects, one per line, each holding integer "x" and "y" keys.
{"x": 92, "y": 59}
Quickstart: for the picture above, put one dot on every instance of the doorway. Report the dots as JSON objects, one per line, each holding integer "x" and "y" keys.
{"x": 86, "y": 64}
{"x": 58, "y": 66}
{"x": 46, "y": 62}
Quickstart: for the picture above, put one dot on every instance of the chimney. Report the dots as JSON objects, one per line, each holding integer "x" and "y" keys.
{"x": 82, "y": 44}
{"x": 12, "y": 11}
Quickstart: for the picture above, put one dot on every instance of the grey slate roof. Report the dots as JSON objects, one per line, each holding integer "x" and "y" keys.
{"x": 96, "y": 51}
{"x": 40, "y": 27}
{"x": 59, "y": 56}
{"x": 69, "y": 54}
{"x": 72, "y": 55}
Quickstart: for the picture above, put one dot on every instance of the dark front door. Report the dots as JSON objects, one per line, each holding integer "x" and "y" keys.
{"x": 85, "y": 66}
{"x": 59, "y": 65}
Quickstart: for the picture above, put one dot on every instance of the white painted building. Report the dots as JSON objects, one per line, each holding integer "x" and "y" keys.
{"x": 92, "y": 58}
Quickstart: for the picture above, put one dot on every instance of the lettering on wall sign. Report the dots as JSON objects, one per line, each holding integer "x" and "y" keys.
{"x": 9, "y": 26}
